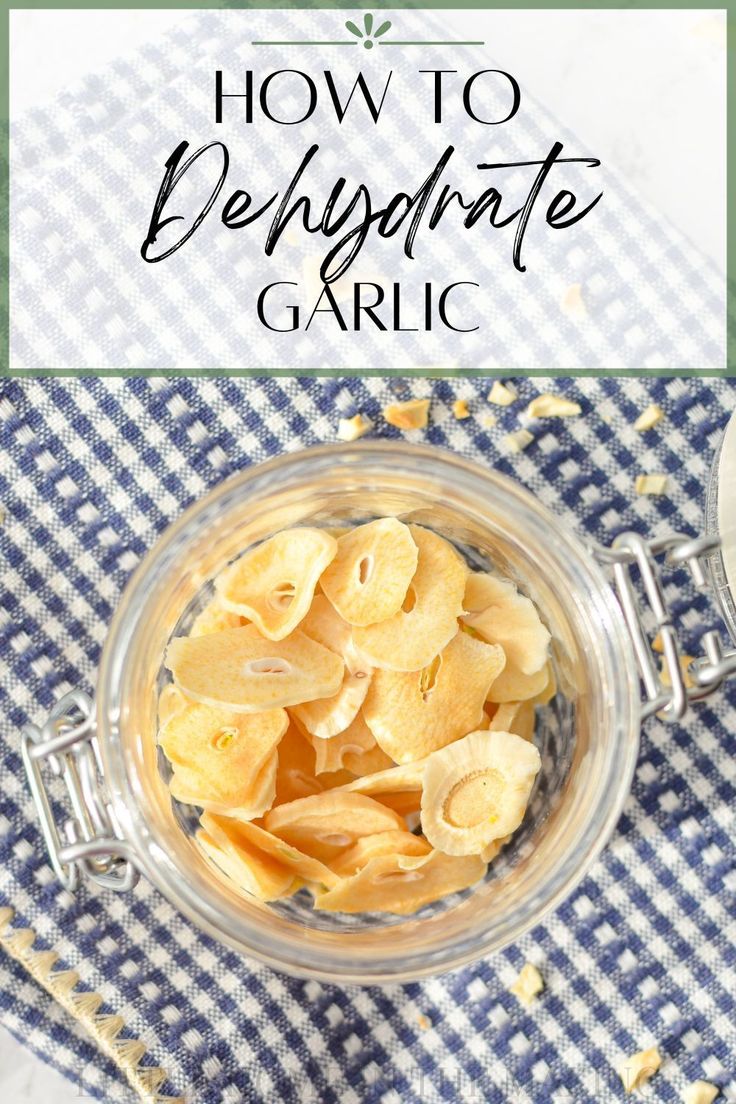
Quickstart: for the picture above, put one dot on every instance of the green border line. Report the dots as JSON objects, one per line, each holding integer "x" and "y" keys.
{"x": 432, "y": 5}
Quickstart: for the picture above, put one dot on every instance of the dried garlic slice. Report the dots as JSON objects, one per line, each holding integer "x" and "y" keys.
{"x": 327, "y": 717}
{"x": 476, "y": 790}
{"x": 170, "y": 702}
{"x": 218, "y": 756}
{"x": 413, "y": 414}
{"x": 400, "y": 788}
{"x": 406, "y": 804}
{"x": 335, "y": 780}
{"x": 273, "y": 583}
{"x": 517, "y": 717}
{"x": 550, "y": 689}
{"x": 235, "y": 836}
{"x": 700, "y": 1092}
{"x": 368, "y": 579}
{"x": 258, "y": 874}
{"x": 355, "y": 740}
{"x": 350, "y": 429}
{"x": 329, "y": 822}
{"x": 552, "y": 406}
{"x": 500, "y": 615}
{"x": 382, "y": 843}
{"x": 402, "y": 884}
{"x": 528, "y": 985}
{"x": 649, "y": 418}
{"x": 412, "y": 713}
{"x": 686, "y": 662}
{"x": 655, "y": 484}
{"x": 214, "y": 618}
{"x": 573, "y": 304}
{"x": 295, "y": 775}
{"x": 406, "y": 778}
{"x": 502, "y": 394}
{"x": 325, "y": 625}
{"x": 518, "y": 440}
{"x": 511, "y": 685}
{"x": 640, "y": 1068}
{"x": 368, "y": 761}
{"x": 239, "y": 669}
{"x": 489, "y": 853}
{"x": 254, "y": 803}
{"x": 427, "y": 620}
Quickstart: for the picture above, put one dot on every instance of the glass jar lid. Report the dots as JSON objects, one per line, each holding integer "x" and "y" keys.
{"x": 721, "y": 520}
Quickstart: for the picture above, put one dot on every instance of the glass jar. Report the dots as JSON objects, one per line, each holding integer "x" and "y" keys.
{"x": 720, "y": 519}
{"x": 588, "y": 736}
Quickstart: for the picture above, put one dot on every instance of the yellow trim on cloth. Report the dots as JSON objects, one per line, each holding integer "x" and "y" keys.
{"x": 104, "y": 1028}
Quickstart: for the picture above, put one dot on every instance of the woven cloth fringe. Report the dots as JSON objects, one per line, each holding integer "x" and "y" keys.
{"x": 105, "y": 1028}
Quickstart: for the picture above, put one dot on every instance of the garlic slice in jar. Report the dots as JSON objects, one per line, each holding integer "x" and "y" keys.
{"x": 368, "y": 579}
{"x": 329, "y": 822}
{"x": 237, "y": 837}
{"x": 327, "y": 717}
{"x": 499, "y": 614}
{"x": 476, "y": 790}
{"x": 250, "y": 869}
{"x": 427, "y": 620}
{"x": 222, "y": 760}
{"x": 402, "y": 884}
{"x": 412, "y": 713}
{"x": 240, "y": 670}
{"x": 273, "y": 584}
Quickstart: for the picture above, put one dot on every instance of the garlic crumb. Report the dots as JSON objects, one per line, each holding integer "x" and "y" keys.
{"x": 700, "y": 1092}
{"x": 649, "y": 418}
{"x": 573, "y": 303}
{"x": 488, "y": 421}
{"x": 349, "y": 429}
{"x": 528, "y": 985}
{"x": 655, "y": 484}
{"x": 424, "y": 1021}
{"x": 408, "y": 415}
{"x": 638, "y": 1069}
{"x": 685, "y": 661}
{"x": 502, "y": 394}
{"x": 552, "y": 406}
{"x": 460, "y": 409}
{"x": 518, "y": 440}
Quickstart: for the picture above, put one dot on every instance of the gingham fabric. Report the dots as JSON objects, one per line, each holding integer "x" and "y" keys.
{"x": 91, "y": 472}
{"x": 86, "y": 171}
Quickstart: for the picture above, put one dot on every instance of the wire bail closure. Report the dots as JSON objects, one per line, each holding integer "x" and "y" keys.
{"x": 667, "y": 691}
{"x": 88, "y": 842}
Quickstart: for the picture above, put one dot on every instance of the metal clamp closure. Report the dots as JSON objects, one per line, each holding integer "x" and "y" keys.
{"x": 669, "y": 688}
{"x": 87, "y": 843}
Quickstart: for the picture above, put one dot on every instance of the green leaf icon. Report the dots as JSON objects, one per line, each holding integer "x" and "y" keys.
{"x": 368, "y": 35}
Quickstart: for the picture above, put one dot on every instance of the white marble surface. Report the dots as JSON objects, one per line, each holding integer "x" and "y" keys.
{"x": 25, "y": 1079}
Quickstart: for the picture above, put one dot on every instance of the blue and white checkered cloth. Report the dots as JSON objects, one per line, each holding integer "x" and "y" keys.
{"x": 91, "y": 472}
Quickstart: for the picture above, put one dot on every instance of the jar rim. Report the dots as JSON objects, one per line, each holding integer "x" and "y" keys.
{"x": 618, "y": 672}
